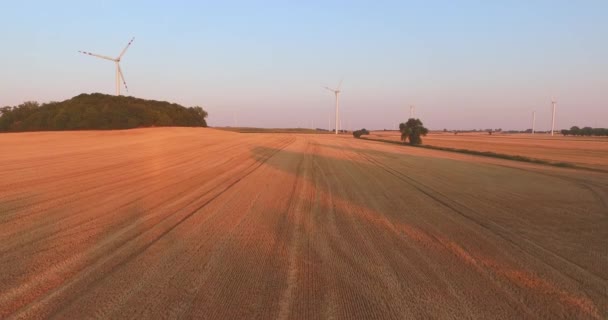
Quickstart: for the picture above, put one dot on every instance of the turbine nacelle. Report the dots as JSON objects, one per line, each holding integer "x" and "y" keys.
{"x": 332, "y": 90}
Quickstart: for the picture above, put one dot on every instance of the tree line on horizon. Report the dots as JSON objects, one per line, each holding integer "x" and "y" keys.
{"x": 585, "y": 131}
{"x": 100, "y": 112}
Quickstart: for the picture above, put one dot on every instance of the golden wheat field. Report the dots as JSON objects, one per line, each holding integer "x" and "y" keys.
{"x": 589, "y": 152}
{"x": 208, "y": 224}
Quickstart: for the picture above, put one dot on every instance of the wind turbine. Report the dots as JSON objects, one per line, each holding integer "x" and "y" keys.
{"x": 119, "y": 75}
{"x": 412, "y": 108}
{"x": 533, "y": 121}
{"x": 553, "y": 102}
{"x": 337, "y": 93}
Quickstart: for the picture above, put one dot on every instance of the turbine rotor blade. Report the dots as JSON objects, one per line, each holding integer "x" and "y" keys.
{"x": 340, "y": 85}
{"x": 97, "y": 55}
{"x": 125, "y": 49}
{"x": 122, "y": 77}
{"x": 330, "y": 89}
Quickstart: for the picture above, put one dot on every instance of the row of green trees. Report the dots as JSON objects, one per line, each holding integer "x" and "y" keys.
{"x": 586, "y": 131}
{"x": 412, "y": 130}
{"x": 99, "y": 111}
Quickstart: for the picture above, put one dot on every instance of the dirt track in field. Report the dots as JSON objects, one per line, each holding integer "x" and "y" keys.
{"x": 199, "y": 223}
{"x": 590, "y": 152}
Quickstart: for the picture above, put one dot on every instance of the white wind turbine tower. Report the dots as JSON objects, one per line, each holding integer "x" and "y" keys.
{"x": 119, "y": 75}
{"x": 337, "y": 93}
{"x": 412, "y": 108}
{"x": 553, "y": 102}
{"x": 533, "y": 121}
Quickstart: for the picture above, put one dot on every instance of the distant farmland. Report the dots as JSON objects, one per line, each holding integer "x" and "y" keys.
{"x": 272, "y": 130}
{"x": 589, "y": 152}
{"x": 204, "y": 223}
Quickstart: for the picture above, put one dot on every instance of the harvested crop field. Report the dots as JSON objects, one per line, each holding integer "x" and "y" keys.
{"x": 589, "y": 152}
{"x": 202, "y": 223}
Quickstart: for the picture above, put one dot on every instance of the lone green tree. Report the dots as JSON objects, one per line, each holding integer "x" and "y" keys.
{"x": 412, "y": 130}
{"x": 358, "y": 133}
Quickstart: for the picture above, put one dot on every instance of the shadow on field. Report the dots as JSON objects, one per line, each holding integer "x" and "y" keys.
{"x": 356, "y": 193}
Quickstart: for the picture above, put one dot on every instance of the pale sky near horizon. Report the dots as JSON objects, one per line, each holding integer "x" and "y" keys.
{"x": 463, "y": 64}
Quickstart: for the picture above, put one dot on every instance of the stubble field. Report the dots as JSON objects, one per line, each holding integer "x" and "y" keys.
{"x": 202, "y": 223}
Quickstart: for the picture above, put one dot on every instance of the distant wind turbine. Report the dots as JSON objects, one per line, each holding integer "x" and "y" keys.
{"x": 533, "y": 121}
{"x": 119, "y": 75}
{"x": 412, "y": 109}
{"x": 554, "y": 103}
{"x": 337, "y": 93}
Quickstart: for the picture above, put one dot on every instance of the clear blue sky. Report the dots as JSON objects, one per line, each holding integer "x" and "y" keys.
{"x": 463, "y": 64}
